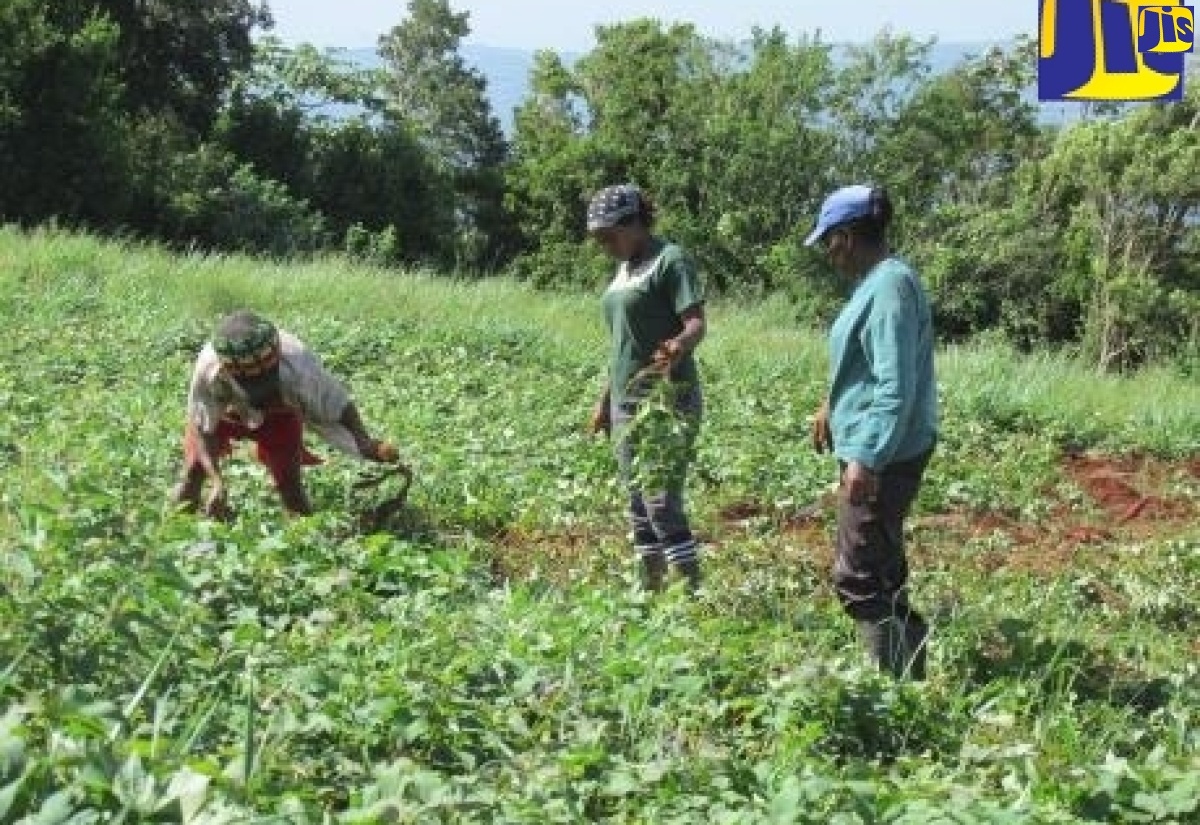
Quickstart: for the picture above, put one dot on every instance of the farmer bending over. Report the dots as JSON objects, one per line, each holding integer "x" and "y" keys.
{"x": 880, "y": 418}
{"x": 255, "y": 382}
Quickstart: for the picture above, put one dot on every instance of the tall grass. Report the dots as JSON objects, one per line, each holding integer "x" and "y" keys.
{"x": 1155, "y": 409}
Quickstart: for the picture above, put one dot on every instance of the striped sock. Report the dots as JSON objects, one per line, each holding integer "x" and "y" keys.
{"x": 645, "y": 541}
{"x": 644, "y": 550}
{"x": 682, "y": 551}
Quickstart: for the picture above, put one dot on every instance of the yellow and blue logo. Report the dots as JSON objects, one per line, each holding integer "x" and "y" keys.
{"x": 1113, "y": 50}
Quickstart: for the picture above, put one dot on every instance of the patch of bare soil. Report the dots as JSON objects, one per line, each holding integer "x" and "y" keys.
{"x": 1129, "y": 498}
{"x": 1129, "y": 488}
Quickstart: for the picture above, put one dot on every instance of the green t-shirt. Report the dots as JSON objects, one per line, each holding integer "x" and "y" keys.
{"x": 643, "y": 306}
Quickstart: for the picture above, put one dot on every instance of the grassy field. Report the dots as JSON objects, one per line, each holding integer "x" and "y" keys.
{"x": 488, "y": 657}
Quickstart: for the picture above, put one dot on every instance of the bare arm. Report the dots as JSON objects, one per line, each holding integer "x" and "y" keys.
{"x": 669, "y": 352}
{"x": 352, "y": 421}
{"x": 601, "y": 413}
{"x": 694, "y": 329}
{"x": 217, "y": 505}
{"x": 206, "y": 454}
{"x": 204, "y": 410}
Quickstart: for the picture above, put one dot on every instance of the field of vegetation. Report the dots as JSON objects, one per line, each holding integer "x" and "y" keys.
{"x": 488, "y": 657}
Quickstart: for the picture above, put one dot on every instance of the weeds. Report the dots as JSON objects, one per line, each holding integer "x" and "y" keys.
{"x": 484, "y": 656}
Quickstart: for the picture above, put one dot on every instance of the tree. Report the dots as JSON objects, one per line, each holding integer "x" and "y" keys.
{"x": 62, "y": 138}
{"x": 962, "y": 133}
{"x": 764, "y": 163}
{"x": 278, "y": 106}
{"x": 378, "y": 179}
{"x": 89, "y": 89}
{"x": 429, "y": 89}
{"x": 959, "y": 155}
{"x": 871, "y": 90}
{"x": 1133, "y": 190}
{"x": 366, "y": 175}
{"x": 627, "y": 111}
{"x": 1090, "y": 240}
{"x": 547, "y": 179}
{"x": 180, "y": 57}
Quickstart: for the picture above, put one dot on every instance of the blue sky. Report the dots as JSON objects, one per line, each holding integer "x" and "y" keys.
{"x": 567, "y": 25}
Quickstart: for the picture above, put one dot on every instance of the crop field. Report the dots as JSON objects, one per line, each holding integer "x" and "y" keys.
{"x": 486, "y": 656}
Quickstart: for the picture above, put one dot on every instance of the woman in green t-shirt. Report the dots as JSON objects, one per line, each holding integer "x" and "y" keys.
{"x": 654, "y": 308}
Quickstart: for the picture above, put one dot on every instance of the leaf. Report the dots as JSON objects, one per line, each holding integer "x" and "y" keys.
{"x": 136, "y": 699}
{"x": 785, "y": 807}
{"x": 190, "y": 790}
{"x": 621, "y": 783}
{"x": 133, "y": 787}
{"x": 12, "y": 753}
{"x": 56, "y": 809}
{"x": 8, "y": 795}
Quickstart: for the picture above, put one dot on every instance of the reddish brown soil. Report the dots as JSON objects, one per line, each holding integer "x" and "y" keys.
{"x": 1127, "y": 488}
{"x": 742, "y": 511}
{"x": 558, "y": 555}
{"x": 1128, "y": 498}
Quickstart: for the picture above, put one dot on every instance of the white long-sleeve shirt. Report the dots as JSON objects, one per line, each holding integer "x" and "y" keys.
{"x": 304, "y": 383}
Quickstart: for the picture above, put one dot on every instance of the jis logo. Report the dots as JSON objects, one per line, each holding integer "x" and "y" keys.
{"x": 1119, "y": 50}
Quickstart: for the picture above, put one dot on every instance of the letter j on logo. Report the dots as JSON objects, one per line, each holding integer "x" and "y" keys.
{"x": 1120, "y": 50}
{"x": 1165, "y": 29}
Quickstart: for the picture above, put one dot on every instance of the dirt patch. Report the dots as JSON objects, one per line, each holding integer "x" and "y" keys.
{"x": 742, "y": 511}
{"x": 1131, "y": 487}
{"x": 807, "y": 528}
{"x": 1127, "y": 498}
{"x": 948, "y": 541}
{"x": 559, "y": 555}
{"x": 738, "y": 513}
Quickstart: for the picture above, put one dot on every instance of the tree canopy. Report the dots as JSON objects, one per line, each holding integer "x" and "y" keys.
{"x": 189, "y": 124}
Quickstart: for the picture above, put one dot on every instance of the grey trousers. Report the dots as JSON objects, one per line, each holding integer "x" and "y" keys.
{"x": 654, "y": 450}
{"x": 870, "y": 571}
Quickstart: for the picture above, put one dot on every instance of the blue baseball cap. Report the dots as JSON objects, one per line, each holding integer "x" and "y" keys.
{"x": 846, "y": 204}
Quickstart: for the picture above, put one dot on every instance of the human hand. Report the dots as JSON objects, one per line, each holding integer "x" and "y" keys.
{"x": 601, "y": 420}
{"x": 859, "y": 484}
{"x": 822, "y": 437}
{"x": 217, "y": 505}
{"x": 383, "y": 452}
{"x": 667, "y": 354}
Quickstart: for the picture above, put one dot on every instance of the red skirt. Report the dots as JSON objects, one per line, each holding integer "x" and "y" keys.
{"x": 278, "y": 443}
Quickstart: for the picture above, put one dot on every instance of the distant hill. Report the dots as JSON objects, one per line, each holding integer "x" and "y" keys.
{"x": 507, "y": 72}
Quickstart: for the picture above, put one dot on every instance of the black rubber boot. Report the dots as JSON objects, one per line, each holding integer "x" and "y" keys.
{"x": 690, "y": 571}
{"x": 654, "y": 571}
{"x": 896, "y": 646}
{"x": 916, "y": 638}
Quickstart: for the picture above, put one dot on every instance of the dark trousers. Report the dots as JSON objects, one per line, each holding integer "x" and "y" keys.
{"x": 653, "y": 473}
{"x": 870, "y": 571}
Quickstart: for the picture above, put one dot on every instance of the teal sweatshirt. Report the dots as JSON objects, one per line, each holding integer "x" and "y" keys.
{"x": 883, "y": 395}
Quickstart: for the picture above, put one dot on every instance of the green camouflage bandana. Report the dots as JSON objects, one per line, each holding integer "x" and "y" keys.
{"x": 247, "y": 344}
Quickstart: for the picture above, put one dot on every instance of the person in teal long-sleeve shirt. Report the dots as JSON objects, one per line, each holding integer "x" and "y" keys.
{"x": 880, "y": 419}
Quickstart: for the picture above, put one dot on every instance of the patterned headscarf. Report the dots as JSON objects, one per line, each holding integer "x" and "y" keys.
{"x": 247, "y": 344}
{"x": 612, "y": 204}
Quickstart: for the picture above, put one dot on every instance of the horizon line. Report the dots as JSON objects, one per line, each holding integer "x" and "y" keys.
{"x": 533, "y": 49}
